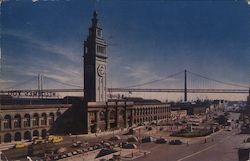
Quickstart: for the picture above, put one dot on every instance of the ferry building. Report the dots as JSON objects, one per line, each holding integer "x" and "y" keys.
{"x": 21, "y": 118}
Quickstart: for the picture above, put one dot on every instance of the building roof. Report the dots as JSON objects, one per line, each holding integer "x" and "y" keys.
{"x": 9, "y": 100}
{"x": 186, "y": 105}
{"x": 137, "y": 100}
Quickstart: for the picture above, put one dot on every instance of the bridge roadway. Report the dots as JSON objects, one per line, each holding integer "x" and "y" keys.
{"x": 135, "y": 90}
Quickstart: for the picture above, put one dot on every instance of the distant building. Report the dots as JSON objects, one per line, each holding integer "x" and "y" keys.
{"x": 191, "y": 108}
{"x": 245, "y": 117}
{"x": 219, "y": 104}
{"x": 178, "y": 114}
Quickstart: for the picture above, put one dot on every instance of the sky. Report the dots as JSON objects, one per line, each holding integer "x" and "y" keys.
{"x": 147, "y": 40}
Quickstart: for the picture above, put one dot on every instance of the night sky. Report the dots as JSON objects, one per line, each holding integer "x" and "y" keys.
{"x": 147, "y": 40}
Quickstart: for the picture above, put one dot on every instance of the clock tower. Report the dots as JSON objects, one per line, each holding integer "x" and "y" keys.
{"x": 95, "y": 60}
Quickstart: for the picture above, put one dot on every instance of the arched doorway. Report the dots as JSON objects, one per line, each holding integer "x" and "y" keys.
{"x": 27, "y": 135}
{"x": 35, "y": 133}
{"x": 7, "y": 138}
{"x": 44, "y": 133}
{"x": 112, "y": 115}
{"x": 112, "y": 119}
{"x": 121, "y": 120}
{"x": 102, "y": 116}
{"x": 17, "y": 136}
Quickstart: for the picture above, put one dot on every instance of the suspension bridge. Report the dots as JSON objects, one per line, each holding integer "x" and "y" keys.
{"x": 184, "y": 82}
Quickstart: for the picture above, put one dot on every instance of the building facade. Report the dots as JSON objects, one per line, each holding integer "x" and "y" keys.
{"x": 122, "y": 114}
{"x": 23, "y": 121}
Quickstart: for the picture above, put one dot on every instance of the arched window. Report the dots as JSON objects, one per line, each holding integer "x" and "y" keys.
{"x": 17, "y": 121}
{"x": 7, "y": 122}
{"x": 26, "y": 120}
{"x": 35, "y": 119}
{"x": 51, "y": 118}
{"x": 44, "y": 119}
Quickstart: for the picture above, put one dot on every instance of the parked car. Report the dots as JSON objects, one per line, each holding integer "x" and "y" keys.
{"x": 161, "y": 141}
{"x": 20, "y": 145}
{"x": 69, "y": 154}
{"x": 37, "y": 140}
{"x": 129, "y": 146}
{"x": 97, "y": 146}
{"x": 122, "y": 144}
{"x": 77, "y": 144}
{"x": 85, "y": 150}
{"x": 56, "y": 157}
{"x": 115, "y": 138}
{"x": 132, "y": 139}
{"x": 147, "y": 139}
{"x": 55, "y": 139}
{"x": 79, "y": 151}
{"x": 131, "y": 131}
{"x": 63, "y": 156}
{"x": 175, "y": 142}
{"x": 74, "y": 153}
{"x": 90, "y": 149}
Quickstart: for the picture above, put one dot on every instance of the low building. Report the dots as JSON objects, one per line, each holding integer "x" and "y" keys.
{"x": 22, "y": 119}
{"x": 196, "y": 108}
{"x": 178, "y": 114}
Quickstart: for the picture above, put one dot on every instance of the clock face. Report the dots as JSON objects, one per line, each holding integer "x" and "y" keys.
{"x": 101, "y": 70}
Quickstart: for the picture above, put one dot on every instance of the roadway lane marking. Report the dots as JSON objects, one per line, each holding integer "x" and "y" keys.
{"x": 186, "y": 157}
{"x": 191, "y": 155}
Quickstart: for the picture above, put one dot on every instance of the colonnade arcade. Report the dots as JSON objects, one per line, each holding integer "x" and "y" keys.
{"x": 102, "y": 117}
{"x": 23, "y": 126}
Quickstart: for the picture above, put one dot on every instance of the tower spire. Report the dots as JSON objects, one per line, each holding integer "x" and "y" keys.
{"x": 95, "y": 19}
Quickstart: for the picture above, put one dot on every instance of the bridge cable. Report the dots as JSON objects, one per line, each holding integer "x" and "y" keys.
{"x": 218, "y": 81}
{"x": 19, "y": 84}
{"x": 67, "y": 84}
{"x": 153, "y": 81}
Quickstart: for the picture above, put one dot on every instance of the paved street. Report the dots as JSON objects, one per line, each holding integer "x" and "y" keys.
{"x": 221, "y": 146}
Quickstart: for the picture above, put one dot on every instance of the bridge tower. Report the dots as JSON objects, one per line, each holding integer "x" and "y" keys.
{"x": 185, "y": 85}
{"x": 95, "y": 60}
